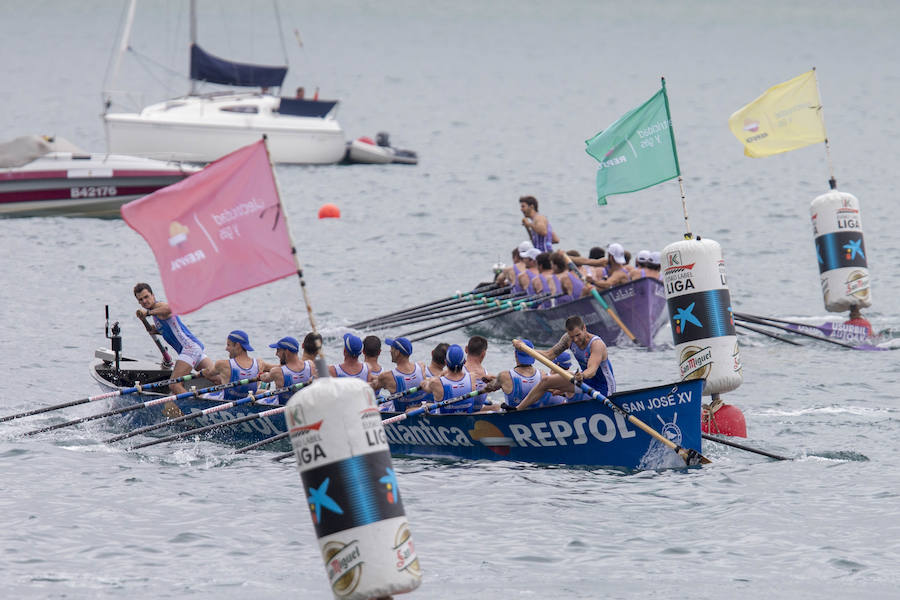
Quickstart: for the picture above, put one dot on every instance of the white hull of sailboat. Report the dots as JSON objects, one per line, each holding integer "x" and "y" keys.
{"x": 203, "y": 143}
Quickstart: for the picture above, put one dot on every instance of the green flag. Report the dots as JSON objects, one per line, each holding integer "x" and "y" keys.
{"x": 637, "y": 151}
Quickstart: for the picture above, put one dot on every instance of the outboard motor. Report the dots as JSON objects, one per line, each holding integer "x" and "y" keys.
{"x": 383, "y": 139}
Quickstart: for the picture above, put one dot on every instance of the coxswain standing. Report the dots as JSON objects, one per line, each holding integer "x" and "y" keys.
{"x": 406, "y": 375}
{"x": 351, "y": 367}
{"x": 456, "y": 383}
{"x": 290, "y": 371}
{"x": 539, "y": 228}
{"x": 591, "y": 354}
{"x": 188, "y": 348}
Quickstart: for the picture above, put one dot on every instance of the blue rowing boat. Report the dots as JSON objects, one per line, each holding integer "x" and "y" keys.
{"x": 583, "y": 434}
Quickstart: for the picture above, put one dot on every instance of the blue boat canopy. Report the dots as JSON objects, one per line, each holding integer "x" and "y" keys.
{"x": 206, "y": 67}
{"x": 305, "y": 108}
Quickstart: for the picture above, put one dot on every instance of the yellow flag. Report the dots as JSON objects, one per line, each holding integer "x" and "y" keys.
{"x": 786, "y": 117}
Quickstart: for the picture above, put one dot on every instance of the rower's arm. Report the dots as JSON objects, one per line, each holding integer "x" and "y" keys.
{"x": 598, "y": 355}
{"x": 558, "y": 348}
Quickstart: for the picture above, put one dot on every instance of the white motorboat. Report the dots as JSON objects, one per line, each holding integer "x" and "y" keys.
{"x": 379, "y": 151}
{"x": 51, "y": 176}
{"x": 203, "y": 127}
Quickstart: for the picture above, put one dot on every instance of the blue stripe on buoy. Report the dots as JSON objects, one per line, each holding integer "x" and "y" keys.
{"x": 840, "y": 249}
{"x": 353, "y": 492}
{"x": 701, "y": 315}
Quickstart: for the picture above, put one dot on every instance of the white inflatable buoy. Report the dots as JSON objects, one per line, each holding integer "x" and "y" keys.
{"x": 840, "y": 251}
{"x": 701, "y": 315}
{"x": 351, "y": 489}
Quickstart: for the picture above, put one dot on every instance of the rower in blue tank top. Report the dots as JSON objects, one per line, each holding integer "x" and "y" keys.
{"x": 517, "y": 382}
{"x": 290, "y": 370}
{"x": 239, "y": 365}
{"x": 454, "y": 384}
{"x": 352, "y": 366}
{"x": 405, "y": 376}
{"x": 591, "y": 354}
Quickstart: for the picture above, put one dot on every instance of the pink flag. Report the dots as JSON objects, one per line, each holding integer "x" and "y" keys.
{"x": 218, "y": 232}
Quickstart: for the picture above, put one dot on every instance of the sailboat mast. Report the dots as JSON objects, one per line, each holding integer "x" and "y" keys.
{"x": 193, "y": 40}
{"x": 123, "y": 46}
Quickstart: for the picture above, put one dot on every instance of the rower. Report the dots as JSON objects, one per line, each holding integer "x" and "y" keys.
{"x": 404, "y": 376}
{"x": 371, "y": 352}
{"x": 177, "y": 335}
{"x": 351, "y": 367}
{"x": 615, "y": 273}
{"x": 591, "y": 354}
{"x": 655, "y": 265}
{"x": 543, "y": 283}
{"x": 640, "y": 264}
{"x": 476, "y": 350}
{"x": 539, "y": 228}
{"x": 289, "y": 371}
{"x": 517, "y": 382}
{"x": 564, "y": 279}
{"x": 312, "y": 343}
{"x": 239, "y": 365}
{"x": 510, "y": 275}
{"x": 529, "y": 257}
{"x": 456, "y": 383}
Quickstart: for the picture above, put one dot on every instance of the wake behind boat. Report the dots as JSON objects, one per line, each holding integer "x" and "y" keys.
{"x": 42, "y": 176}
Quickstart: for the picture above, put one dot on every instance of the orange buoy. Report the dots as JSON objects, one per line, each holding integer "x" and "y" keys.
{"x": 726, "y": 419}
{"x": 329, "y": 211}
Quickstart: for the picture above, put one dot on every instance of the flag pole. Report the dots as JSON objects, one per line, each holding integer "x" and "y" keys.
{"x": 832, "y": 182}
{"x": 321, "y": 368}
{"x": 687, "y": 225}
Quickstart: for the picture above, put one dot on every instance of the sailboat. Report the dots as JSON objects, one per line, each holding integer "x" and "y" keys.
{"x": 203, "y": 127}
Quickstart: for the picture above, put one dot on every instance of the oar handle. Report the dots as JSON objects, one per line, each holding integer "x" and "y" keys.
{"x": 167, "y": 360}
{"x": 690, "y": 456}
{"x": 397, "y": 395}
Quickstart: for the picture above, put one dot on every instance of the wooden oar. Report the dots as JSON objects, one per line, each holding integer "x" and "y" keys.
{"x": 219, "y": 407}
{"x": 453, "y": 298}
{"x": 167, "y": 360}
{"x": 713, "y": 438}
{"x": 766, "y": 333}
{"x": 827, "y": 329}
{"x": 124, "y": 392}
{"x": 147, "y": 404}
{"x": 406, "y": 415}
{"x": 462, "y": 301}
{"x": 867, "y": 347}
{"x": 574, "y": 268}
{"x": 197, "y": 431}
{"x": 484, "y": 316}
{"x": 690, "y": 456}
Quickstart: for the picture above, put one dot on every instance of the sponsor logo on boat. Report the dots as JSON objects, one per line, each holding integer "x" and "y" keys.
{"x": 405, "y": 555}
{"x": 670, "y": 430}
{"x": 343, "y": 563}
{"x": 751, "y": 125}
{"x": 695, "y": 362}
{"x": 858, "y": 285}
{"x": 491, "y": 436}
{"x": 623, "y": 294}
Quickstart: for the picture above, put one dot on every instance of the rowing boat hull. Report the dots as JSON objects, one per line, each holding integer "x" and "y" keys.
{"x": 641, "y": 304}
{"x": 579, "y": 434}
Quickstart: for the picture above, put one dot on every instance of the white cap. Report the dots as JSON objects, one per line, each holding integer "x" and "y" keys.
{"x": 617, "y": 252}
{"x": 655, "y": 257}
{"x": 525, "y": 247}
{"x": 532, "y": 254}
{"x": 643, "y": 257}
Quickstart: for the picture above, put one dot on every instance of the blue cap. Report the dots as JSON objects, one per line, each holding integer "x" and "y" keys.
{"x": 286, "y": 343}
{"x": 401, "y": 344}
{"x": 523, "y": 358}
{"x": 239, "y": 337}
{"x": 456, "y": 357}
{"x": 352, "y": 344}
{"x": 564, "y": 360}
